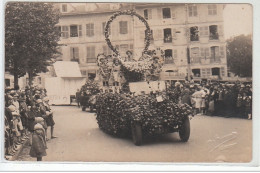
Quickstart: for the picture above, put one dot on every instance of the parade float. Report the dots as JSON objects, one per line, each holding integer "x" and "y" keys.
{"x": 137, "y": 104}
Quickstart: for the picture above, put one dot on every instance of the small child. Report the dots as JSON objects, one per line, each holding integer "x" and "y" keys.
{"x": 39, "y": 145}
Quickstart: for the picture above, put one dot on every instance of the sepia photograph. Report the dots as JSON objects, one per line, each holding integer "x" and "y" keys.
{"x": 128, "y": 82}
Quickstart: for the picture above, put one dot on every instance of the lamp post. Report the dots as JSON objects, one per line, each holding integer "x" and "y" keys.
{"x": 187, "y": 39}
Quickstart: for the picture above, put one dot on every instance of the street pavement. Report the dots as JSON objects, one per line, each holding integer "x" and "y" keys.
{"x": 213, "y": 139}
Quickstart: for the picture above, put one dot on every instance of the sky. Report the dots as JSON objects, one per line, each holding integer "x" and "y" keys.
{"x": 238, "y": 19}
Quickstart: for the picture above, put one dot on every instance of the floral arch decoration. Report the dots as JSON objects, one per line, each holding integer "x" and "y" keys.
{"x": 130, "y": 13}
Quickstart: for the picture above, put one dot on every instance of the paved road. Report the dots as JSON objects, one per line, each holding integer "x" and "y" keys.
{"x": 212, "y": 139}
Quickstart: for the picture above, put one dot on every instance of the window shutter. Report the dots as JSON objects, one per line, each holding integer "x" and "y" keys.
{"x": 65, "y": 32}
{"x": 201, "y": 31}
{"x": 220, "y": 30}
{"x": 97, "y": 31}
{"x": 71, "y": 53}
{"x": 173, "y": 11}
{"x": 174, "y": 35}
{"x": 150, "y": 14}
{"x": 207, "y": 51}
{"x": 76, "y": 52}
{"x": 82, "y": 59}
{"x": 222, "y": 51}
{"x": 217, "y": 51}
{"x": 80, "y": 30}
{"x": 129, "y": 28}
{"x": 206, "y": 30}
{"x": 159, "y": 13}
{"x": 88, "y": 29}
{"x": 202, "y": 52}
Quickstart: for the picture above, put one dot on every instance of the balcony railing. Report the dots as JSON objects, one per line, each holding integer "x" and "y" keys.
{"x": 215, "y": 59}
{"x": 169, "y": 61}
{"x": 203, "y": 60}
{"x": 167, "y": 39}
{"x": 213, "y": 37}
{"x": 195, "y": 60}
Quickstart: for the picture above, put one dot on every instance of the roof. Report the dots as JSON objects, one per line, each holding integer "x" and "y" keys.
{"x": 93, "y": 8}
{"x": 67, "y": 69}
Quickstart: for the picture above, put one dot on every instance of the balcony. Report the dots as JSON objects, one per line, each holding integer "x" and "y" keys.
{"x": 195, "y": 60}
{"x": 167, "y": 39}
{"x": 215, "y": 59}
{"x": 213, "y": 37}
{"x": 168, "y": 60}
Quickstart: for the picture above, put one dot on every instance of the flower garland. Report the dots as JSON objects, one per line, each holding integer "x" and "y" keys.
{"x": 131, "y": 13}
{"x": 144, "y": 64}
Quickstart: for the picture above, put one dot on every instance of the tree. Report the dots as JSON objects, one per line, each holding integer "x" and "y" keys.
{"x": 31, "y": 38}
{"x": 239, "y": 55}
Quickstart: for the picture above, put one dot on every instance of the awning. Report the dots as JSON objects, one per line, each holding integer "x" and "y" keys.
{"x": 67, "y": 69}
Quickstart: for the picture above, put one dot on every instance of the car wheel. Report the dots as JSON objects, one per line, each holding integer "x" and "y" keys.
{"x": 136, "y": 134}
{"x": 184, "y": 131}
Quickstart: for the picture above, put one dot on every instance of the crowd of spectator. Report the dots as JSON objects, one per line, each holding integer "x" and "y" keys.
{"x": 216, "y": 99}
{"x": 27, "y": 117}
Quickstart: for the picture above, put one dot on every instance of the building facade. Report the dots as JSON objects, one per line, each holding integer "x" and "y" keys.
{"x": 185, "y": 32}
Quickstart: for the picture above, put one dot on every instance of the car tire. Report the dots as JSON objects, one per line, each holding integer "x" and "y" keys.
{"x": 184, "y": 131}
{"x": 136, "y": 130}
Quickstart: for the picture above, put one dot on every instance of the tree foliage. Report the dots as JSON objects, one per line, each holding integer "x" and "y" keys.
{"x": 239, "y": 55}
{"x": 31, "y": 39}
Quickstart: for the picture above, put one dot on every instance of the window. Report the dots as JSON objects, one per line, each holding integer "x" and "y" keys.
{"x": 212, "y": 9}
{"x": 213, "y": 30}
{"x": 103, "y": 28}
{"x": 194, "y": 36}
{"x": 73, "y": 31}
{"x": 74, "y": 54}
{"x": 123, "y": 48}
{"x": 195, "y": 52}
{"x": 195, "y": 56}
{"x": 64, "y": 8}
{"x": 214, "y": 54}
{"x": 166, "y": 13}
{"x": 90, "y": 29}
{"x": 148, "y": 14}
{"x": 123, "y": 27}
{"x": 168, "y": 56}
{"x": 222, "y": 71}
{"x": 107, "y": 50}
{"x": 65, "y": 31}
{"x": 167, "y": 35}
{"x": 196, "y": 72}
{"x": 193, "y": 11}
{"x": 91, "y": 55}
